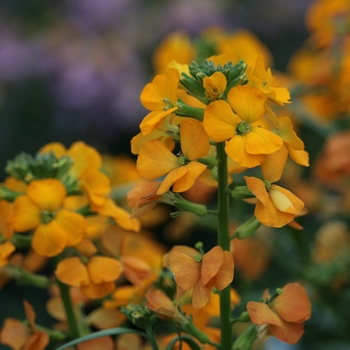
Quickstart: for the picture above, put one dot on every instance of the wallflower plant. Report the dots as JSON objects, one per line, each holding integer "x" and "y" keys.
{"x": 211, "y": 120}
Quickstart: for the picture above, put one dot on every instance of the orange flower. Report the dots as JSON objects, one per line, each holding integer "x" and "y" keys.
{"x": 160, "y": 97}
{"x": 202, "y": 273}
{"x": 6, "y": 249}
{"x": 160, "y": 304}
{"x": 214, "y": 85}
{"x": 155, "y": 159}
{"x": 41, "y": 209}
{"x": 284, "y": 314}
{"x": 95, "y": 278}
{"x": 19, "y": 336}
{"x": 247, "y": 140}
{"x": 263, "y": 80}
{"x": 276, "y": 206}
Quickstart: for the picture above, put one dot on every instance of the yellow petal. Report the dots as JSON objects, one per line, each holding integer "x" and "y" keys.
{"x": 26, "y": 215}
{"x": 155, "y": 160}
{"x": 220, "y": 122}
{"x": 257, "y": 186}
{"x": 154, "y": 119}
{"x": 73, "y": 272}
{"x": 47, "y": 194}
{"x": 56, "y": 148}
{"x": 214, "y": 85}
{"x": 285, "y": 130}
{"x": 285, "y": 200}
{"x": 248, "y": 102}
{"x": 194, "y": 140}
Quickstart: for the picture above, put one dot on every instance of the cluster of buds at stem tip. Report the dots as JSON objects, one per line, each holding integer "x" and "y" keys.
{"x": 235, "y": 75}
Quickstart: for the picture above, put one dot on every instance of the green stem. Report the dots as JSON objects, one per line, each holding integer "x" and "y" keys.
{"x": 151, "y": 338}
{"x": 68, "y": 307}
{"x": 224, "y": 242}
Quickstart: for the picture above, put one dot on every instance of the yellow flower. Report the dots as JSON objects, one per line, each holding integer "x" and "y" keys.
{"x": 276, "y": 206}
{"x": 160, "y": 97}
{"x": 238, "y": 122}
{"x": 155, "y": 159}
{"x": 41, "y": 209}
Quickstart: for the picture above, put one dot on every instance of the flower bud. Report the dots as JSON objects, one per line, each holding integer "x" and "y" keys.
{"x": 247, "y": 229}
{"x": 246, "y": 339}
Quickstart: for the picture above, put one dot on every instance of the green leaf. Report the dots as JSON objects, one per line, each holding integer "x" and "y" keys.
{"x": 113, "y": 331}
{"x": 186, "y": 339}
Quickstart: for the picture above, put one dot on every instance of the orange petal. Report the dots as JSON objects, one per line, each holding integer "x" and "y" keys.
{"x": 155, "y": 160}
{"x": 201, "y": 293}
{"x": 49, "y": 239}
{"x": 220, "y": 122}
{"x": 225, "y": 275}
{"x": 97, "y": 291}
{"x": 273, "y": 165}
{"x": 285, "y": 130}
{"x": 105, "y": 343}
{"x": 104, "y": 319}
{"x": 211, "y": 263}
{"x": 269, "y": 216}
{"x": 96, "y": 186}
{"x": 288, "y": 332}
{"x": 6, "y": 220}
{"x": 294, "y": 304}
{"x": 73, "y": 272}
{"x": 260, "y": 313}
{"x": 30, "y": 314}
{"x": 194, "y": 169}
{"x": 185, "y": 269}
{"x": 248, "y": 102}
{"x": 172, "y": 177}
{"x": 235, "y": 149}
{"x": 257, "y": 186}
{"x": 73, "y": 224}
{"x": 103, "y": 269}
{"x": 14, "y": 333}
{"x": 26, "y": 215}
{"x": 194, "y": 140}
{"x": 214, "y": 85}
{"x": 47, "y": 194}
{"x": 54, "y": 147}
{"x": 6, "y": 249}
{"x": 262, "y": 141}
{"x": 299, "y": 156}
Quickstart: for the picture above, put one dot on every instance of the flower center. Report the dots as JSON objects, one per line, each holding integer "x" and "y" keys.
{"x": 267, "y": 184}
{"x": 243, "y": 128}
{"x": 47, "y": 216}
{"x": 168, "y": 103}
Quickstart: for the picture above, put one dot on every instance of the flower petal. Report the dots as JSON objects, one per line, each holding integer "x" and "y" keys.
{"x": 260, "y": 314}
{"x": 288, "y": 332}
{"x": 26, "y": 215}
{"x": 273, "y": 164}
{"x": 294, "y": 304}
{"x": 220, "y": 122}
{"x": 47, "y": 194}
{"x": 262, "y": 141}
{"x": 194, "y": 169}
{"x": 194, "y": 140}
{"x": 73, "y": 272}
{"x": 73, "y": 224}
{"x": 155, "y": 160}
{"x": 258, "y": 188}
{"x": 248, "y": 102}
{"x": 185, "y": 269}
{"x": 172, "y": 177}
{"x": 103, "y": 269}
{"x": 225, "y": 275}
{"x": 285, "y": 200}
{"x": 201, "y": 293}
{"x": 211, "y": 263}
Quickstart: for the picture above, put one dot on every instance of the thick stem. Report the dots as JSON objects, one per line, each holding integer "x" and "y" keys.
{"x": 151, "y": 338}
{"x": 224, "y": 242}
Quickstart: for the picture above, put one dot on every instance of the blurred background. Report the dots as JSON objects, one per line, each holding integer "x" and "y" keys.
{"x": 73, "y": 70}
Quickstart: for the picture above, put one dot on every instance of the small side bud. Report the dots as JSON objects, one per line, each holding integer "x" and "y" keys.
{"x": 246, "y": 339}
{"x": 247, "y": 229}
